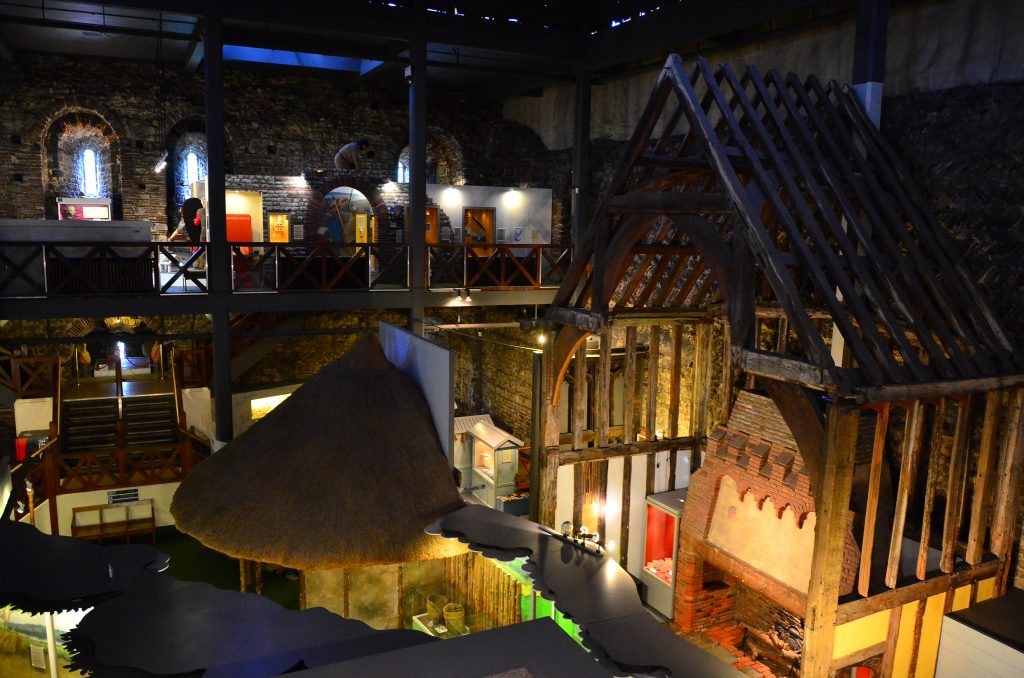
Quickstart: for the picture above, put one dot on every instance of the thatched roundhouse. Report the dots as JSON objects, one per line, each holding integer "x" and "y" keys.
{"x": 346, "y": 472}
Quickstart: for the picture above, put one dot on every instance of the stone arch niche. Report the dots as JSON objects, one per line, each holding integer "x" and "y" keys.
{"x": 444, "y": 158}
{"x": 188, "y": 134}
{"x": 369, "y": 190}
{"x": 64, "y": 138}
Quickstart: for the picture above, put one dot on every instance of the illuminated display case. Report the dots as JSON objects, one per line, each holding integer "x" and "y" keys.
{"x": 661, "y": 542}
{"x": 495, "y": 462}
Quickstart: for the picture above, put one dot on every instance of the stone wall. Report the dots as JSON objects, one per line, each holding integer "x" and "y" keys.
{"x": 277, "y": 126}
{"x": 964, "y": 147}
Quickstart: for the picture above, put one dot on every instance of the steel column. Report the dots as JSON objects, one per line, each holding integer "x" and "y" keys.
{"x": 417, "y": 77}
{"x": 218, "y": 269}
{"x": 869, "y": 55}
{"x": 581, "y": 156}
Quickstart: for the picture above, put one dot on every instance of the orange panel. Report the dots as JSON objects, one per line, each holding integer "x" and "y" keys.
{"x": 239, "y": 228}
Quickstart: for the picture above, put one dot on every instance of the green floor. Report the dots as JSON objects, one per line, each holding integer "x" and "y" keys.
{"x": 191, "y": 561}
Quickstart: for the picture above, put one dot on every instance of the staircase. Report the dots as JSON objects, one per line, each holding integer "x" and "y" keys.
{"x": 89, "y": 425}
{"x": 150, "y": 420}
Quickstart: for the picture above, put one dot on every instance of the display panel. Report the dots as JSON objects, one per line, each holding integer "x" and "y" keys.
{"x": 83, "y": 209}
{"x": 278, "y": 225}
{"x": 484, "y": 454}
{"x": 661, "y": 529}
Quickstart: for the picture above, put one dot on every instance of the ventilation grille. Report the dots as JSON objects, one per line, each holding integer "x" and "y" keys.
{"x": 122, "y": 496}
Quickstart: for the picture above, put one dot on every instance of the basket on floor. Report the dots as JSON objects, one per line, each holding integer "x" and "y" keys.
{"x": 435, "y": 607}
{"x": 455, "y": 618}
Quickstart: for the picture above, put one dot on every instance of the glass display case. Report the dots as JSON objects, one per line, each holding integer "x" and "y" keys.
{"x": 484, "y": 458}
{"x": 661, "y": 542}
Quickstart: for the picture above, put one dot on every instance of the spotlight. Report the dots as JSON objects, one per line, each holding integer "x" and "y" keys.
{"x": 467, "y": 298}
{"x": 542, "y": 339}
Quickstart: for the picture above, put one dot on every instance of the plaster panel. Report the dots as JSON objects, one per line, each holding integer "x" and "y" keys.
{"x": 760, "y": 537}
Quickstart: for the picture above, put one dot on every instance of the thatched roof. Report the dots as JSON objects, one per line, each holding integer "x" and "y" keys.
{"x": 345, "y": 472}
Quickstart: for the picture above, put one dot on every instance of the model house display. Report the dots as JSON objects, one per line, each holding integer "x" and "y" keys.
{"x": 495, "y": 456}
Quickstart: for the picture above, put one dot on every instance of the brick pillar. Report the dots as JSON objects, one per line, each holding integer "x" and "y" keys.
{"x": 689, "y": 590}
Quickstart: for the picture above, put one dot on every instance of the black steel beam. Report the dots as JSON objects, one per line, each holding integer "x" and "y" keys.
{"x": 218, "y": 276}
{"x": 200, "y": 304}
{"x": 581, "y": 157}
{"x": 869, "y": 42}
{"x": 417, "y": 77}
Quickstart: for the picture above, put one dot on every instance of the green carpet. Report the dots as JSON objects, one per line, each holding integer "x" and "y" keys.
{"x": 191, "y": 561}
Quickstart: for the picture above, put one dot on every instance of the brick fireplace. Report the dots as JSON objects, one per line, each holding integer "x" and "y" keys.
{"x": 747, "y": 534}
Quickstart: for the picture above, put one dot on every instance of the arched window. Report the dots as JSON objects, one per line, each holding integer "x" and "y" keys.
{"x": 403, "y": 172}
{"x": 192, "y": 167}
{"x": 90, "y": 173}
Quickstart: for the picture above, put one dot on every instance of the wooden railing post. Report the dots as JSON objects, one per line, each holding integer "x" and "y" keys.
{"x": 52, "y": 486}
{"x": 185, "y": 454}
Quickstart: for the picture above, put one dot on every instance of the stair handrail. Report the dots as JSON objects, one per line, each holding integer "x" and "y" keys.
{"x": 57, "y": 395}
{"x": 179, "y": 408}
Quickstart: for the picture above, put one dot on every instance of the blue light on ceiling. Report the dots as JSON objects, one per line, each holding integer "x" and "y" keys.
{"x": 286, "y": 58}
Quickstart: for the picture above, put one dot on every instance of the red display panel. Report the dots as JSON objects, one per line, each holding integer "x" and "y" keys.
{"x": 239, "y": 227}
{"x": 661, "y": 530}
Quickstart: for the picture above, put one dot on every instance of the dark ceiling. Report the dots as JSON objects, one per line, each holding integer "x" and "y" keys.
{"x": 492, "y": 48}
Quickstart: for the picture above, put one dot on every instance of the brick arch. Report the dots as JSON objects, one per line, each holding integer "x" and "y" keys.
{"x": 50, "y": 133}
{"x": 370, "y": 190}
{"x": 79, "y": 327}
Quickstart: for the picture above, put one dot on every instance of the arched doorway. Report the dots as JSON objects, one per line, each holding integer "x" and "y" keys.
{"x": 332, "y": 212}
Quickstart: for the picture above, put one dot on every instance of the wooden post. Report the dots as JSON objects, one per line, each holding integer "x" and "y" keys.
{"x": 627, "y": 482}
{"x": 241, "y": 574}
{"x": 1008, "y": 481}
{"x": 604, "y": 388}
{"x": 700, "y": 387}
{"x": 258, "y": 576}
{"x": 302, "y": 589}
{"x": 891, "y": 639}
{"x": 929, "y": 491}
{"x": 673, "y": 393}
{"x": 980, "y": 506}
{"x": 549, "y": 455}
{"x": 909, "y": 463}
{"x": 653, "y": 355}
{"x": 955, "y": 483}
{"x": 628, "y": 436}
{"x": 871, "y": 510}
{"x": 832, "y": 507}
{"x": 629, "y": 388}
{"x": 52, "y": 485}
{"x": 727, "y": 378}
{"x": 579, "y": 396}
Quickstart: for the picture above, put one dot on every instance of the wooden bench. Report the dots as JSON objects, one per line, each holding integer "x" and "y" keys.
{"x": 115, "y": 520}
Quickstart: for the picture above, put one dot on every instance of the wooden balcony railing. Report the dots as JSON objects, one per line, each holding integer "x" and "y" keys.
{"x": 76, "y": 269}
{"x": 497, "y": 266}
{"x": 29, "y": 376}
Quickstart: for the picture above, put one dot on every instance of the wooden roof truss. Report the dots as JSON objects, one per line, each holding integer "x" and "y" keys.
{"x": 753, "y": 190}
